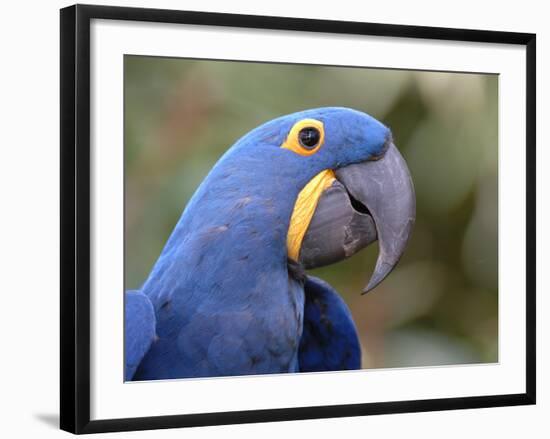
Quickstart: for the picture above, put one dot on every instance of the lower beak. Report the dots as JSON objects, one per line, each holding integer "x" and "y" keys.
{"x": 368, "y": 201}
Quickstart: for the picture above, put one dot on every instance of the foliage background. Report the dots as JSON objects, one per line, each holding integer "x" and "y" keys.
{"x": 440, "y": 306}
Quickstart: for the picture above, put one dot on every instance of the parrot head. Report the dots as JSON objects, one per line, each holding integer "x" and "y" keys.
{"x": 353, "y": 186}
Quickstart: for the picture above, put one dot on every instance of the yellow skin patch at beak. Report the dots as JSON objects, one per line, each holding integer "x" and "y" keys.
{"x": 304, "y": 208}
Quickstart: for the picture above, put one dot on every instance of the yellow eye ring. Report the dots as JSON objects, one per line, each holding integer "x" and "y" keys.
{"x": 305, "y": 137}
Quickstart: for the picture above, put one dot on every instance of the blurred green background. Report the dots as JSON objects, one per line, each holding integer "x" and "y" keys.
{"x": 440, "y": 306}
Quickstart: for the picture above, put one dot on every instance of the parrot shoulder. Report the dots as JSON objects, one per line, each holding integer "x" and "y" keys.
{"x": 139, "y": 330}
{"x": 329, "y": 339}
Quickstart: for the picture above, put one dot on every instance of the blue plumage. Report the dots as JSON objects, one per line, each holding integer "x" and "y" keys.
{"x": 329, "y": 339}
{"x": 139, "y": 328}
{"x": 223, "y": 299}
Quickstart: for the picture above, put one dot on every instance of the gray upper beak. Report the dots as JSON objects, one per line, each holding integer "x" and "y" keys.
{"x": 369, "y": 200}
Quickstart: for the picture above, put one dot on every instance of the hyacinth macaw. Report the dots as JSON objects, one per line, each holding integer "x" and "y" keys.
{"x": 228, "y": 294}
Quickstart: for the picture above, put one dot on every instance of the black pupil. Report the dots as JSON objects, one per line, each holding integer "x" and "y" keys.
{"x": 309, "y": 137}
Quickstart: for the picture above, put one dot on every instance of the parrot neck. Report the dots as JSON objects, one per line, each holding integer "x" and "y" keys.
{"x": 230, "y": 242}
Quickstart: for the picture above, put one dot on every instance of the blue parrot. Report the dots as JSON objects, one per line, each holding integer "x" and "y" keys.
{"x": 229, "y": 294}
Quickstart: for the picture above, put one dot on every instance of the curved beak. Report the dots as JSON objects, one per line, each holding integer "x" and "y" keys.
{"x": 368, "y": 201}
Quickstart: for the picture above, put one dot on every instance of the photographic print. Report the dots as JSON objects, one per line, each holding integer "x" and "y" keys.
{"x": 288, "y": 218}
{"x": 304, "y": 218}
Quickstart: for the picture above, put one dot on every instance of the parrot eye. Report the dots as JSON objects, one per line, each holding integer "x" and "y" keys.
{"x": 309, "y": 137}
{"x": 305, "y": 137}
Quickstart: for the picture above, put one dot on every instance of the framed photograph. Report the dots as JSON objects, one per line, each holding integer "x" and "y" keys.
{"x": 268, "y": 218}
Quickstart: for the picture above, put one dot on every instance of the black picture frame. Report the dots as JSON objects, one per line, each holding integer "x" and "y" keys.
{"x": 75, "y": 217}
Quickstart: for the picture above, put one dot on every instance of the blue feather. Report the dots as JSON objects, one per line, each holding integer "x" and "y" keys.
{"x": 329, "y": 340}
{"x": 139, "y": 330}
